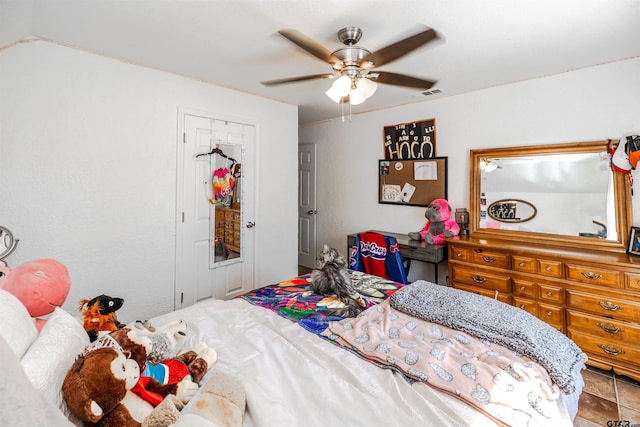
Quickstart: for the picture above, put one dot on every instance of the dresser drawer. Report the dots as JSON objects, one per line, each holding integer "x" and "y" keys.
{"x": 525, "y": 264}
{"x": 460, "y": 254}
{"x": 594, "y": 276}
{"x": 527, "y": 305}
{"x": 502, "y": 297}
{"x": 609, "y": 348}
{"x": 552, "y": 294}
{"x": 491, "y": 259}
{"x": 603, "y": 327}
{"x": 481, "y": 279}
{"x": 550, "y": 268}
{"x": 616, "y": 308}
{"x": 524, "y": 288}
{"x": 632, "y": 281}
{"x": 551, "y": 314}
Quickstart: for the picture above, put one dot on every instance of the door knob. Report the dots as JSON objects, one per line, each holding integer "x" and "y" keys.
{"x": 312, "y": 212}
{"x": 251, "y": 224}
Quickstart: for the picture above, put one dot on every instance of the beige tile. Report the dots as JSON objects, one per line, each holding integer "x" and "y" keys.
{"x": 581, "y": 422}
{"x": 628, "y": 394}
{"x": 596, "y": 409}
{"x": 599, "y": 384}
{"x": 631, "y": 415}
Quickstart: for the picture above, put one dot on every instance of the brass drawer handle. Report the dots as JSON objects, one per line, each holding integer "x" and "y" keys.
{"x": 522, "y": 288}
{"x": 608, "y": 327}
{"x": 478, "y": 279}
{"x": 611, "y": 350}
{"x": 488, "y": 258}
{"x": 459, "y": 254}
{"x": 609, "y": 306}
{"x": 522, "y": 306}
{"x": 548, "y": 268}
{"x": 590, "y": 275}
{"x": 549, "y": 293}
{"x": 521, "y": 264}
{"x": 550, "y": 313}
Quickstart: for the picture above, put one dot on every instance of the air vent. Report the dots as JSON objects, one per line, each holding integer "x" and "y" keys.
{"x": 432, "y": 92}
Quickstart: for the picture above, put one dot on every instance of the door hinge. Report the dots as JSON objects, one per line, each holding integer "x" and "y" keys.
{"x": 181, "y": 297}
{"x": 184, "y": 137}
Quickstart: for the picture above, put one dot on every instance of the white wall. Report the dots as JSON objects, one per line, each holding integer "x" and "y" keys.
{"x": 590, "y": 104}
{"x": 88, "y": 171}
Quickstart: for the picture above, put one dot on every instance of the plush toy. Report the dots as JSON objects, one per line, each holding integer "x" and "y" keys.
{"x": 99, "y": 314}
{"x": 166, "y": 340}
{"x": 179, "y": 375}
{"x": 41, "y": 285}
{"x": 439, "y": 225}
{"x": 96, "y": 385}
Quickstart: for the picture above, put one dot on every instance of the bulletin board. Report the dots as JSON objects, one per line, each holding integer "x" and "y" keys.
{"x": 412, "y": 182}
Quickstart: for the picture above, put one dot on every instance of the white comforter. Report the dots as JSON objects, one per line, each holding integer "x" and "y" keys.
{"x": 294, "y": 378}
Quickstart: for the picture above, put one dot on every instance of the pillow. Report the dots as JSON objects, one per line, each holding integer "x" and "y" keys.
{"x": 16, "y": 325}
{"x": 49, "y": 358}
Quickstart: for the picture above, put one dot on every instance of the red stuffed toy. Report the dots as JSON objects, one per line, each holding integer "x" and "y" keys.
{"x": 41, "y": 285}
{"x": 439, "y": 226}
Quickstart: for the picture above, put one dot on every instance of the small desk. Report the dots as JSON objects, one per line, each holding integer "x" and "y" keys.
{"x": 412, "y": 249}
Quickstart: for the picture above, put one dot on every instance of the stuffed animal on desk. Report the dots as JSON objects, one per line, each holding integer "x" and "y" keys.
{"x": 439, "y": 225}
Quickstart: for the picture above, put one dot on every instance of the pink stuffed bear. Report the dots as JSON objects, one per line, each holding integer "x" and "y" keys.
{"x": 439, "y": 226}
{"x": 41, "y": 285}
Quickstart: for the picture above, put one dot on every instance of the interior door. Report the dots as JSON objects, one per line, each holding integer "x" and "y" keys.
{"x": 307, "y": 205}
{"x": 200, "y": 273}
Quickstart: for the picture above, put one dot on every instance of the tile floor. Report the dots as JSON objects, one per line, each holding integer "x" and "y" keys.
{"x": 607, "y": 397}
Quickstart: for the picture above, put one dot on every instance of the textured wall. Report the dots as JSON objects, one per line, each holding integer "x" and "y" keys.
{"x": 590, "y": 104}
{"x": 88, "y": 171}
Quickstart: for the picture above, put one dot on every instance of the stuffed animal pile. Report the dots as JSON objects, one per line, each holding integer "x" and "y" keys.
{"x": 107, "y": 385}
{"x": 439, "y": 225}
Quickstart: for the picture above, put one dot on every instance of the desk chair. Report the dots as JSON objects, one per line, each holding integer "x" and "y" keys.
{"x": 378, "y": 254}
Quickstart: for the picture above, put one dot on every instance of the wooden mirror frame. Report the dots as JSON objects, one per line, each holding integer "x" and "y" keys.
{"x": 622, "y": 198}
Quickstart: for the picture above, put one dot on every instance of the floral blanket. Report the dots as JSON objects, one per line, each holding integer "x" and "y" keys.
{"x": 293, "y": 299}
{"x": 512, "y": 389}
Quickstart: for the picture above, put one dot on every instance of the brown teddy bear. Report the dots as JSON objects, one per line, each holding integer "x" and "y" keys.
{"x": 96, "y": 385}
{"x": 179, "y": 375}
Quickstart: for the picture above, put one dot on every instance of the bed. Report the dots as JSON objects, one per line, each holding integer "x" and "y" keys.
{"x": 296, "y": 372}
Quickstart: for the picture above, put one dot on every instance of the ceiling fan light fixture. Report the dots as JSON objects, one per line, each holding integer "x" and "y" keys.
{"x": 366, "y": 86}
{"x": 357, "y": 97}
{"x": 339, "y": 89}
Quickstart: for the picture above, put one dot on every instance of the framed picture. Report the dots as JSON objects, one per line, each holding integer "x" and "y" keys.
{"x": 634, "y": 241}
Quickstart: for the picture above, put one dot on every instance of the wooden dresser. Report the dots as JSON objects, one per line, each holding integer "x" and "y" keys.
{"x": 228, "y": 226}
{"x": 591, "y": 296}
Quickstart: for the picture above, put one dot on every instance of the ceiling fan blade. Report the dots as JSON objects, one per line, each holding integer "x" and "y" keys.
{"x": 403, "y": 80}
{"x": 311, "y": 46}
{"x": 297, "y": 79}
{"x": 401, "y": 48}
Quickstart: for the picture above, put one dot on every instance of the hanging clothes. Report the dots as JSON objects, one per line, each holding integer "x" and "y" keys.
{"x": 223, "y": 183}
{"x": 377, "y": 254}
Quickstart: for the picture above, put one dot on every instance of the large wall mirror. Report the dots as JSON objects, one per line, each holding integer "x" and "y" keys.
{"x": 578, "y": 200}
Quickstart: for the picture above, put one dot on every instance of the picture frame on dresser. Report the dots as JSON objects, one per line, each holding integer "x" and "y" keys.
{"x": 634, "y": 241}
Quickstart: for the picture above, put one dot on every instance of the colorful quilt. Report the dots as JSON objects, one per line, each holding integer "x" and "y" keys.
{"x": 293, "y": 299}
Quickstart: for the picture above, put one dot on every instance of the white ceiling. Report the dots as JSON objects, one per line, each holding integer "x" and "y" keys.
{"x": 234, "y": 43}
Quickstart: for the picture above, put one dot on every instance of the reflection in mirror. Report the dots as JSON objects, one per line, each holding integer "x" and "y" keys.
{"x": 569, "y": 190}
{"x": 572, "y": 192}
{"x": 7, "y": 242}
{"x": 226, "y": 203}
{"x": 512, "y": 210}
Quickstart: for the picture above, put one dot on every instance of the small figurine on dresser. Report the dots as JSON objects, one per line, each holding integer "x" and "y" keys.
{"x": 439, "y": 225}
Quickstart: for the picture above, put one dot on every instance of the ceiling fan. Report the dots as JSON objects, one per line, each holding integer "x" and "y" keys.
{"x": 354, "y": 66}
